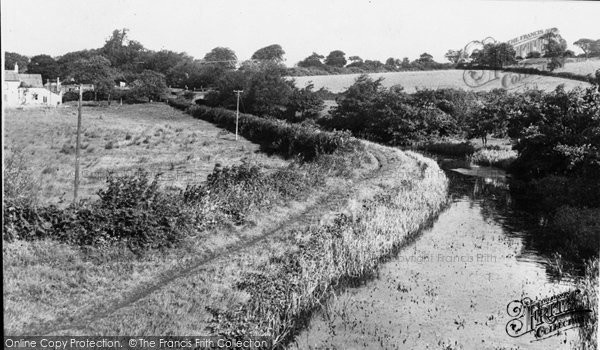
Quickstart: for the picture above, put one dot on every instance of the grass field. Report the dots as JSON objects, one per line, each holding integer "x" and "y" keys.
{"x": 584, "y": 67}
{"x": 122, "y": 139}
{"x": 411, "y": 81}
{"x": 572, "y": 65}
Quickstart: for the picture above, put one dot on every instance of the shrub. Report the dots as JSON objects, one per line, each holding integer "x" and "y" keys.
{"x": 557, "y": 133}
{"x": 131, "y": 211}
{"x": 21, "y": 188}
{"x": 288, "y": 140}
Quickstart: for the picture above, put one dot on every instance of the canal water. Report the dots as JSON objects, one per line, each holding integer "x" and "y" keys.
{"x": 451, "y": 287}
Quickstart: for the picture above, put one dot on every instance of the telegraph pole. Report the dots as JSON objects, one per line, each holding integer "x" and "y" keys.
{"x": 76, "y": 185}
{"x": 237, "y": 112}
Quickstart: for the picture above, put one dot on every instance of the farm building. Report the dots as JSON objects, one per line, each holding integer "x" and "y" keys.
{"x": 27, "y": 90}
{"x": 531, "y": 42}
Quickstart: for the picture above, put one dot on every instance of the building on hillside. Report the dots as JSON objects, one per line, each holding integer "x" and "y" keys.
{"x": 27, "y": 90}
{"x": 531, "y": 42}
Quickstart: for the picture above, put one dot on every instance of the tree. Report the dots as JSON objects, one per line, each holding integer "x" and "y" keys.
{"x": 585, "y": 45}
{"x": 266, "y": 91}
{"x": 221, "y": 57}
{"x": 336, "y": 58}
{"x": 495, "y": 55}
{"x": 589, "y": 47}
{"x": 10, "y": 58}
{"x": 554, "y": 46}
{"x": 454, "y": 56}
{"x": 44, "y": 65}
{"x": 96, "y": 70}
{"x": 193, "y": 74}
{"x": 270, "y": 53}
{"x": 164, "y": 60}
{"x": 405, "y": 64}
{"x": 314, "y": 60}
{"x": 356, "y": 61}
{"x": 304, "y": 104}
{"x": 149, "y": 84}
{"x": 425, "y": 58}
{"x": 390, "y": 63}
{"x": 123, "y": 53}
{"x": 557, "y": 133}
{"x": 373, "y": 65}
{"x": 67, "y": 61}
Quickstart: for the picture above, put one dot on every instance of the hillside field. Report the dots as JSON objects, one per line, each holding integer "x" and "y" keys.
{"x": 121, "y": 139}
{"x": 411, "y": 81}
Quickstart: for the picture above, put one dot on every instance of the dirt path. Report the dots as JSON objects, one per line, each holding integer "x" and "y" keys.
{"x": 321, "y": 208}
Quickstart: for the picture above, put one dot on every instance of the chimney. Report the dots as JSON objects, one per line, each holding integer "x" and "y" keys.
{"x": 16, "y": 67}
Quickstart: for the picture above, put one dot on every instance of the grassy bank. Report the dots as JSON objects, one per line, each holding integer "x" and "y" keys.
{"x": 316, "y": 261}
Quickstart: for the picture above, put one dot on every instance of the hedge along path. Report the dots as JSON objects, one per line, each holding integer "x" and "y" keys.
{"x": 320, "y": 208}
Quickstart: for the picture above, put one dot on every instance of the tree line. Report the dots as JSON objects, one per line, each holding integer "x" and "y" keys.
{"x": 500, "y": 55}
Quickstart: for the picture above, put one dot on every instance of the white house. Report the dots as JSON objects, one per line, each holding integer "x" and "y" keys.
{"x": 27, "y": 90}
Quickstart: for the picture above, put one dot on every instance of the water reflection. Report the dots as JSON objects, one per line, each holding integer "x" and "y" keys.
{"x": 489, "y": 187}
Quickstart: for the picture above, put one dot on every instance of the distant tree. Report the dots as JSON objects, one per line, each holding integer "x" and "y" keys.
{"x": 123, "y": 53}
{"x": 304, "y": 104}
{"x": 533, "y": 54}
{"x": 405, "y": 64}
{"x": 492, "y": 117}
{"x": 425, "y": 58}
{"x": 67, "y": 62}
{"x": 336, "y": 58}
{"x": 373, "y": 65}
{"x": 270, "y": 53}
{"x": 495, "y": 55}
{"x": 390, "y": 63}
{"x": 266, "y": 91}
{"x": 96, "y": 70}
{"x": 454, "y": 56}
{"x": 355, "y": 61}
{"x": 10, "y": 58}
{"x": 149, "y": 84}
{"x": 164, "y": 60}
{"x": 314, "y": 60}
{"x": 193, "y": 74}
{"x": 585, "y": 45}
{"x": 221, "y": 57}
{"x": 44, "y": 65}
{"x": 554, "y": 46}
{"x": 589, "y": 47}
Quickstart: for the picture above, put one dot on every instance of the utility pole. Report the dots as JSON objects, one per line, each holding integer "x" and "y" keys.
{"x": 237, "y": 112}
{"x": 77, "y": 148}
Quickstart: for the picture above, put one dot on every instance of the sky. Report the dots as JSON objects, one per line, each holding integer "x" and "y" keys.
{"x": 371, "y": 29}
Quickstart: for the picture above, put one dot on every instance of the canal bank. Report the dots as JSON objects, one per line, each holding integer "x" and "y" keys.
{"x": 450, "y": 289}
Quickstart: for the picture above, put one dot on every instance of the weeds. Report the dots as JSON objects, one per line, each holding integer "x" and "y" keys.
{"x": 20, "y": 185}
{"x": 494, "y": 156}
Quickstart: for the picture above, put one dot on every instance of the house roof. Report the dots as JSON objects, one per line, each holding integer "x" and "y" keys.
{"x": 10, "y": 75}
{"x": 33, "y": 80}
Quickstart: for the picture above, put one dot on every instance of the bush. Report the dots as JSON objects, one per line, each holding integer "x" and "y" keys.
{"x": 557, "y": 133}
{"x": 287, "y": 140}
{"x": 179, "y": 103}
{"x": 21, "y": 188}
{"x": 131, "y": 211}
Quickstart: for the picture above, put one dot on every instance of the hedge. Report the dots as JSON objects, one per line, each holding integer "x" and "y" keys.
{"x": 276, "y": 136}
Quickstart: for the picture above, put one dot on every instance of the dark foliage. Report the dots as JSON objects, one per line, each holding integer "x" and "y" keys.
{"x": 288, "y": 140}
{"x": 131, "y": 211}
